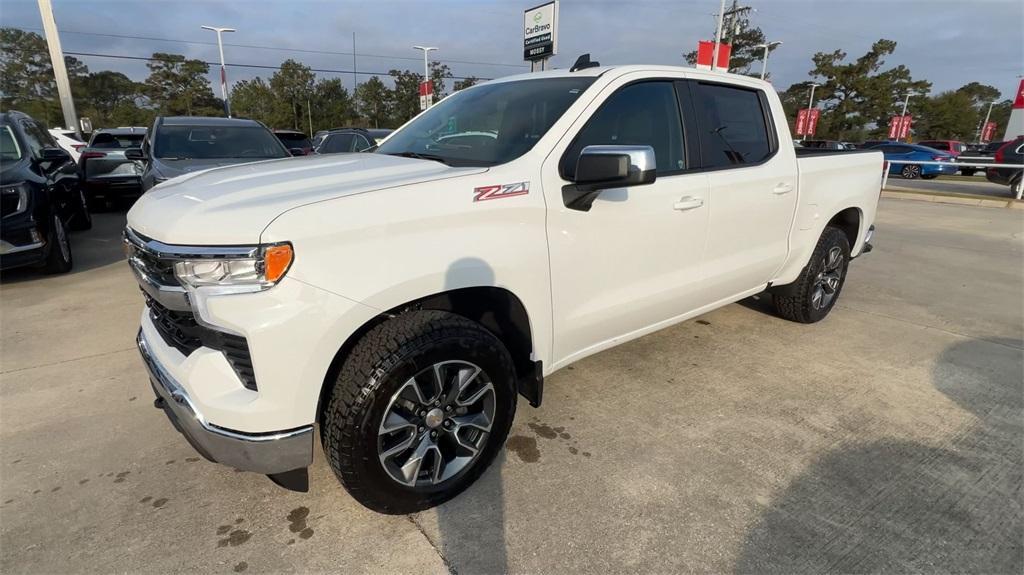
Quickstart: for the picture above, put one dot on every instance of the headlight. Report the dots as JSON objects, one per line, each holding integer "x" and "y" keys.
{"x": 261, "y": 270}
{"x": 14, "y": 199}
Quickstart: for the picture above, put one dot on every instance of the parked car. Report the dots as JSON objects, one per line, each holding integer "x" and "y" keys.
{"x": 108, "y": 174}
{"x": 345, "y": 140}
{"x": 402, "y": 300}
{"x": 985, "y": 155}
{"x": 295, "y": 141}
{"x": 903, "y": 154}
{"x": 68, "y": 141}
{"x": 179, "y": 145}
{"x": 952, "y": 147}
{"x": 1011, "y": 152}
{"x": 379, "y": 134}
{"x": 41, "y": 197}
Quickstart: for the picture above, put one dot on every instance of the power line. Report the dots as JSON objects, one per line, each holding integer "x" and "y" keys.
{"x": 298, "y": 50}
{"x": 232, "y": 65}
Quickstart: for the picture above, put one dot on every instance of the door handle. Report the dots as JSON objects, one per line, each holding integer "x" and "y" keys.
{"x": 782, "y": 189}
{"x": 688, "y": 203}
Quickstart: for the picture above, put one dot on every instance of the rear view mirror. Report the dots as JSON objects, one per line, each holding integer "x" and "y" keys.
{"x": 135, "y": 154}
{"x": 605, "y": 167}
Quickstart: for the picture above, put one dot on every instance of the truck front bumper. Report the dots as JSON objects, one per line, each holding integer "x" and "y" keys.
{"x": 269, "y": 453}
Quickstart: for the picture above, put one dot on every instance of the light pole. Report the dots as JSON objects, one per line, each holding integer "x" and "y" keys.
{"x": 981, "y": 128}
{"x": 767, "y": 47}
{"x": 223, "y": 71}
{"x": 426, "y": 69}
{"x": 903, "y": 114}
{"x": 810, "y": 105}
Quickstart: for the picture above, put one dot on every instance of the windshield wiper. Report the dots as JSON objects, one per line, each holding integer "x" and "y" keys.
{"x": 419, "y": 156}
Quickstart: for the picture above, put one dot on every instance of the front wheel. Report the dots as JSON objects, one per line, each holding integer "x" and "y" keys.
{"x": 58, "y": 255}
{"x": 419, "y": 410}
{"x": 816, "y": 290}
{"x": 910, "y": 171}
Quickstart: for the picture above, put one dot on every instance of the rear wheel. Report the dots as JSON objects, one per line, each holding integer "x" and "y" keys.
{"x": 58, "y": 255}
{"x": 420, "y": 408}
{"x": 812, "y": 296}
{"x": 911, "y": 171}
{"x": 1015, "y": 187}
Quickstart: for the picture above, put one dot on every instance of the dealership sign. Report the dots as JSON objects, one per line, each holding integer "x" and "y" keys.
{"x": 988, "y": 132}
{"x": 540, "y": 36}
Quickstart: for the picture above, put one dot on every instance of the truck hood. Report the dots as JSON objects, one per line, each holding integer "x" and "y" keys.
{"x": 174, "y": 168}
{"x": 233, "y": 205}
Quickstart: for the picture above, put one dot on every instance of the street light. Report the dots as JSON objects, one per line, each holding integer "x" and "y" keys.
{"x": 767, "y": 47}
{"x": 223, "y": 71}
{"x": 903, "y": 114}
{"x": 810, "y": 104}
{"x": 426, "y": 66}
{"x": 981, "y": 128}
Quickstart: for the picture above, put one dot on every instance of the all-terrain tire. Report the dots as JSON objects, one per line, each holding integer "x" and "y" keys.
{"x": 796, "y": 302}
{"x": 375, "y": 370}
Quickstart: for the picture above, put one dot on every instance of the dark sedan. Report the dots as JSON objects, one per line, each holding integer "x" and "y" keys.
{"x": 1010, "y": 153}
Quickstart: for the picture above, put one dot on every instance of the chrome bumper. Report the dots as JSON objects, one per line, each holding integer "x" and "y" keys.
{"x": 268, "y": 453}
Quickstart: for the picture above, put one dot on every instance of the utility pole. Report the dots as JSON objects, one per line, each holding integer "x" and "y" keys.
{"x": 60, "y": 71}
{"x": 355, "y": 77}
{"x": 223, "y": 70}
{"x": 764, "y": 62}
{"x": 733, "y": 13}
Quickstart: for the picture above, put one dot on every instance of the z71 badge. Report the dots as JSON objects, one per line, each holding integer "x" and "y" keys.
{"x": 502, "y": 191}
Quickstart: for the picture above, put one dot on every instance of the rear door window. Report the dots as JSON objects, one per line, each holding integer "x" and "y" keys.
{"x": 733, "y": 126}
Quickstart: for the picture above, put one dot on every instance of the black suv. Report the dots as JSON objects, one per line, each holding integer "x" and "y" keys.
{"x": 40, "y": 197}
{"x": 179, "y": 145}
{"x": 343, "y": 140}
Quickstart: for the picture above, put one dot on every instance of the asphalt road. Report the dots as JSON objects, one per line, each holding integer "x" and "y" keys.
{"x": 886, "y": 438}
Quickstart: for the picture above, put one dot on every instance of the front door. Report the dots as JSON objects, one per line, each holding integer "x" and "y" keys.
{"x": 633, "y": 260}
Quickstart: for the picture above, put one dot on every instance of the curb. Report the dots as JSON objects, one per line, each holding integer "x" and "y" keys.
{"x": 951, "y": 198}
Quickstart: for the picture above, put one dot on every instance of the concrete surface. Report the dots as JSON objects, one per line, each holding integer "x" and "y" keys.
{"x": 886, "y": 438}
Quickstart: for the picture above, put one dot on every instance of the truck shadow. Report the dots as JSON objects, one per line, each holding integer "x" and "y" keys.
{"x": 471, "y": 527}
{"x": 902, "y": 506}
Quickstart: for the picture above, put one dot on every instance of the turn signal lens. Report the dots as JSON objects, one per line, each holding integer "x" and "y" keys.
{"x": 276, "y": 261}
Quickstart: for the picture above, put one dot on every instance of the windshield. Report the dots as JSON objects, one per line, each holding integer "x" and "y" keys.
{"x": 487, "y": 125}
{"x": 207, "y": 143}
{"x": 9, "y": 149}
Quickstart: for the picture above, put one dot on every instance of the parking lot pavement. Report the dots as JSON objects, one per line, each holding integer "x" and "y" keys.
{"x": 885, "y": 438}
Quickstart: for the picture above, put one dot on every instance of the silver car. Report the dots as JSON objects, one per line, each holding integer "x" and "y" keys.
{"x": 108, "y": 175}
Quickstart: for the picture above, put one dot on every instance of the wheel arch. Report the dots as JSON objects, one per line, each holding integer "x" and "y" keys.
{"x": 849, "y": 221}
{"x": 497, "y": 309}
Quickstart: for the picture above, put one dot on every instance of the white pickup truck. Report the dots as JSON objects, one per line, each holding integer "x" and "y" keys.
{"x": 402, "y": 299}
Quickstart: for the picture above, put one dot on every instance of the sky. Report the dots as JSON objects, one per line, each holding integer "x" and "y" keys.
{"x": 948, "y": 42}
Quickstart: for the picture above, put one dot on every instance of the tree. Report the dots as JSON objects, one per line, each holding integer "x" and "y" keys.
{"x": 108, "y": 96}
{"x": 857, "y": 95}
{"x": 177, "y": 85}
{"x": 374, "y": 102}
{"x": 293, "y": 84}
{"x": 744, "y": 39}
{"x": 950, "y": 115}
{"x": 439, "y": 73}
{"x": 26, "y": 76}
{"x": 332, "y": 105}
{"x": 254, "y": 99}
{"x": 405, "y": 96}
{"x": 465, "y": 83}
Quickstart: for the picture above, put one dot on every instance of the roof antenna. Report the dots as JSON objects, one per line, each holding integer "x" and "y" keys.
{"x": 583, "y": 62}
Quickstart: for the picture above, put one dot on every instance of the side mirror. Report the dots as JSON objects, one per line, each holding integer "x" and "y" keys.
{"x": 135, "y": 154}
{"x": 605, "y": 167}
{"x": 297, "y": 151}
{"x": 54, "y": 155}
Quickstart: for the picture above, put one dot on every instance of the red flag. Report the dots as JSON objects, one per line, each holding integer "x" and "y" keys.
{"x": 812, "y": 121}
{"x": 801, "y": 122}
{"x": 706, "y": 52}
{"x": 988, "y": 132}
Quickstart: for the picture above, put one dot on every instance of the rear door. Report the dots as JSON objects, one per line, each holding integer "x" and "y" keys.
{"x": 104, "y": 159}
{"x": 752, "y": 187}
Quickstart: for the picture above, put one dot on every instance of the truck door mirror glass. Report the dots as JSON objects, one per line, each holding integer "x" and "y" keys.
{"x": 604, "y": 167}
{"x": 53, "y": 155}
